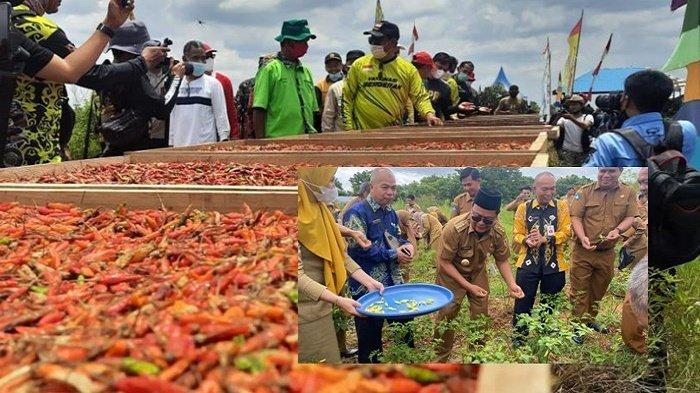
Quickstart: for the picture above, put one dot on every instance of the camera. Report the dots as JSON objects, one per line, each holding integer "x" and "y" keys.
{"x": 167, "y": 62}
{"x": 609, "y": 102}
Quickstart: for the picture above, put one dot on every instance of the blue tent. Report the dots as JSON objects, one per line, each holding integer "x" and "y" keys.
{"x": 502, "y": 79}
{"x": 609, "y": 80}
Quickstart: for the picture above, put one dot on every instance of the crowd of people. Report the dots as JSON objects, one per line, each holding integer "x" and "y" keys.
{"x": 149, "y": 100}
{"x": 382, "y": 243}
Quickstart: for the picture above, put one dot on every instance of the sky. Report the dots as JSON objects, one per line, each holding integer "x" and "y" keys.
{"x": 406, "y": 176}
{"x": 491, "y": 33}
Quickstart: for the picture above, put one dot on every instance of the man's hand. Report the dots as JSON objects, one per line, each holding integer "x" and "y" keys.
{"x": 348, "y": 305}
{"x": 179, "y": 69}
{"x": 613, "y": 235}
{"x": 154, "y": 55}
{"x": 433, "y": 121}
{"x": 361, "y": 240}
{"x": 516, "y": 292}
{"x": 407, "y": 249}
{"x": 403, "y": 257}
{"x": 532, "y": 243}
{"x": 116, "y": 15}
{"x": 568, "y": 116}
{"x": 477, "y": 291}
{"x": 586, "y": 243}
{"x": 375, "y": 285}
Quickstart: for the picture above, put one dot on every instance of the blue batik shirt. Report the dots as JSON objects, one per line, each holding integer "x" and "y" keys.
{"x": 612, "y": 150}
{"x": 380, "y": 261}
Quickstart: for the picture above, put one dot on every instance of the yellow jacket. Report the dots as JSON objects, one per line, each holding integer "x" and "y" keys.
{"x": 562, "y": 232}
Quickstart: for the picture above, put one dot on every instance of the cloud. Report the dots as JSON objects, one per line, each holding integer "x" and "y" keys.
{"x": 496, "y": 33}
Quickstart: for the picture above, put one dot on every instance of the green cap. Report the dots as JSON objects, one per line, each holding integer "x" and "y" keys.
{"x": 295, "y": 30}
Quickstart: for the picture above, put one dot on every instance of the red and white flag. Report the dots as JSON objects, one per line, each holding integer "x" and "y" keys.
{"x": 414, "y": 38}
{"x": 596, "y": 71}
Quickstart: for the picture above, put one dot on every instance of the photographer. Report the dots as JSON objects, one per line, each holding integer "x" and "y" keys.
{"x": 646, "y": 93}
{"x": 45, "y": 103}
{"x": 130, "y": 106}
{"x": 574, "y": 125}
{"x": 31, "y": 59}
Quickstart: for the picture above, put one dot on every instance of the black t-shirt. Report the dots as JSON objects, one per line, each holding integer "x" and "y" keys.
{"x": 39, "y": 56}
{"x": 440, "y": 96}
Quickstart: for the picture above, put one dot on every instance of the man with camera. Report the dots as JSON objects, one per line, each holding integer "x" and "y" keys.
{"x": 646, "y": 92}
{"x": 574, "y": 126}
{"x": 134, "y": 106}
{"x": 26, "y": 57}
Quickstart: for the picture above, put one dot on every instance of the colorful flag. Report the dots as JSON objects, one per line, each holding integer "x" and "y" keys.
{"x": 688, "y": 48}
{"x": 378, "y": 13}
{"x": 676, "y": 4}
{"x": 570, "y": 68}
{"x": 547, "y": 83}
{"x": 414, "y": 38}
{"x": 596, "y": 71}
{"x": 560, "y": 89}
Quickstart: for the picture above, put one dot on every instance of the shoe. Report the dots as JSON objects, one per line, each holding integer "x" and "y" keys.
{"x": 578, "y": 339}
{"x": 598, "y": 327}
{"x": 518, "y": 342}
{"x": 349, "y": 353}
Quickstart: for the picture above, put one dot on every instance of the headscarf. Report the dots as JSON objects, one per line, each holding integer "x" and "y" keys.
{"x": 36, "y": 5}
{"x": 318, "y": 231}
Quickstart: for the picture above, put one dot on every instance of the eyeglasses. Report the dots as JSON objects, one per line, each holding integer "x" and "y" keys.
{"x": 486, "y": 220}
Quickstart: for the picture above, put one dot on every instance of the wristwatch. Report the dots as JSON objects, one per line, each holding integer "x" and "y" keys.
{"x": 108, "y": 31}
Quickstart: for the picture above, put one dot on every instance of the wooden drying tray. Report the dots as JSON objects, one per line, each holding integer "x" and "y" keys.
{"x": 360, "y": 141}
{"x": 176, "y": 197}
{"x": 497, "y": 120}
{"x": 430, "y": 131}
{"x": 443, "y": 158}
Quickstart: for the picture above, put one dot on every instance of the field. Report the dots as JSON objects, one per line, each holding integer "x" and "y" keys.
{"x": 489, "y": 340}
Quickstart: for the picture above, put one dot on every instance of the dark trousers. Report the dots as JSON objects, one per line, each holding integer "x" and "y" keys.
{"x": 528, "y": 280}
{"x": 369, "y": 338}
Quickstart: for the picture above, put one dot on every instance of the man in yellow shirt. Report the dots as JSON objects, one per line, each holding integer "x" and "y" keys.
{"x": 379, "y": 86}
{"x": 541, "y": 227}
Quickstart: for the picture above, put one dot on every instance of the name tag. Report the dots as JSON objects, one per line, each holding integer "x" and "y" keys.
{"x": 549, "y": 229}
{"x": 377, "y": 221}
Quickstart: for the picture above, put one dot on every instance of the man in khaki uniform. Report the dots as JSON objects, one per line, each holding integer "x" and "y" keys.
{"x": 467, "y": 241}
{"x": 524, "y": 196}
{"x": 429, "y": 228}
{"x": 635, "y": 246}
{"x": 411, "y": 205}
{"x": 471, "y": 183}
{"x": 600, "y": 212}
{"x": 635, "y": 309}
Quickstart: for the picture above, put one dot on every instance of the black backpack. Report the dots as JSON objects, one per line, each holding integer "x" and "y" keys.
{"x": 674, "y": 210}
{"x": 673, "y": 140}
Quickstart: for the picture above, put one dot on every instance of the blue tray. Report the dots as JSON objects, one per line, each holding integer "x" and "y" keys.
{"x": 440, "y": 296}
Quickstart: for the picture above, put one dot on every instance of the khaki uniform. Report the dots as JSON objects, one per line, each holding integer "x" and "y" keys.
{"x": 413, "y": 209}
{"x": 432, "y": 231}
{"x": 600, "y": 212}
{"x": 462, "y": 204}
{"x": 317, "y": 338}
{"x": 632, "y": 331}
{"x": 637, "y": 236}
{"x": 409, "y": 234}
{"x": 463, "y": 248}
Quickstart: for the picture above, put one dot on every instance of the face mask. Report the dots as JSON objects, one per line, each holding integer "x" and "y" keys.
{"x": 378, "y": 51}
{"x": 298, "y": 49}
{"x": 336, "y": 77}
{"x": 210, "y": 65}
{"x": 198, "y": 69}
{"x": 446, "y": 75}
{"x": 438, "y": 74}
{"x": 325, "y": 195}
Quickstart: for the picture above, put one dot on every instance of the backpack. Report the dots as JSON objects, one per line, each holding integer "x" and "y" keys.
{"x": 674, "y": 210}
{"x": 673, "y": 140}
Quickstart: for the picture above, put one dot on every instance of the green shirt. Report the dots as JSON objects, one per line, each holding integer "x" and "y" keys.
{"x": 285, "y": 90}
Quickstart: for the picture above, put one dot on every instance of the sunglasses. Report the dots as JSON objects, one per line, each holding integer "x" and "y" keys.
{"x": 486, "y": 220}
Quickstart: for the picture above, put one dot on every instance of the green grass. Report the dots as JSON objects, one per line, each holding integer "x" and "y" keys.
{"x": 488, "y": 340}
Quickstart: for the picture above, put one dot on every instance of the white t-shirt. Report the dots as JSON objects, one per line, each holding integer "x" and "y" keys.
{"x": 572, "y": 132}
{"x": 199, "y": 114}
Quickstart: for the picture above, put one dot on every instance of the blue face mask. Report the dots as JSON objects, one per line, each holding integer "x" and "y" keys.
{"x": 198, "y": 69}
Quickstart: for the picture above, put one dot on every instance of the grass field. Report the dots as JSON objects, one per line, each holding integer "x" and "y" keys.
{"x": 489, "y": 340}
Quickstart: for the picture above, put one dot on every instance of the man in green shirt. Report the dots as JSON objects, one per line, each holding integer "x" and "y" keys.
{"x": 380, "y": 86}
{"x": 284, "y": 102}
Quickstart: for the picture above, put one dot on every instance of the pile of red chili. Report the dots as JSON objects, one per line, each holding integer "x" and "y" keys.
{"x": 476, "y": 145}
{"x": 199, "y": 173}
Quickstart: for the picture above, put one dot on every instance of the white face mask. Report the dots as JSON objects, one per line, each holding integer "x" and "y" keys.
{"x": 210, "y": 65}
{"x": 378, "y": 51}
{"x": 438, "y": 74}
{"x": 325, "y": 194}
{"x": 336, "y": 77}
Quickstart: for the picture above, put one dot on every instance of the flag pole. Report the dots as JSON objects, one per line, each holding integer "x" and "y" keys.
{"x": 548, "y": 111}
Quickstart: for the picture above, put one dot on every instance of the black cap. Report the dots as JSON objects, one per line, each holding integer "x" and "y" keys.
{"x": 333, "y": 56}
{"x": 354, "y": 54}
{"x": 488, "y": 199}
{"x": 130, "y": 37}
{"x": 384, "y": 29}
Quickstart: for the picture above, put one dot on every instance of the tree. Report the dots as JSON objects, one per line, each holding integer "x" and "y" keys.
{"x": 77, "y": 142}
{"x": 506, "y": 180}
{"x": 338, "y": 184}
{"x": 357, "y": 179}
{"x": 491, "y": 95}
{"x": 533, "y": 107}
{"x": 566, "y": 182}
